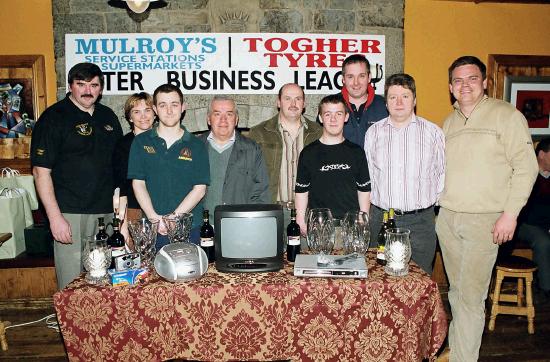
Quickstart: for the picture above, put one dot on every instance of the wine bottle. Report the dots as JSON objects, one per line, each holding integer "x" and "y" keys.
{"x": 101, "y": 233}
{"x": 293, "y": 235}
{"x": 116, "y": 242}
{"x": 391, "y": 219}
{"x": 380, "y": 257}
{"x": 207, "y": 237}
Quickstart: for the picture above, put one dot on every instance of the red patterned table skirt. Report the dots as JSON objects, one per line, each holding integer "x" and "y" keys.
{"x": 259, "y": 316}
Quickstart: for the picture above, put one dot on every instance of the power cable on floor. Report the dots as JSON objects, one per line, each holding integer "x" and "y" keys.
{"x": 51, "y": 322}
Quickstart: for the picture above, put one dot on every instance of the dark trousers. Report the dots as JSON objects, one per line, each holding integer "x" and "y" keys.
{"x": 539, "y": 240}
{"x": 423, "y": 237}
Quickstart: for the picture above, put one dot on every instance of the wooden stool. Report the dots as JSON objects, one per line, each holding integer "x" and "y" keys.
{"x": 514, "y": 267}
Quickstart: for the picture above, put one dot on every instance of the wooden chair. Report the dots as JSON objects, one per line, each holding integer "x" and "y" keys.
{"x": 512, "y": 266}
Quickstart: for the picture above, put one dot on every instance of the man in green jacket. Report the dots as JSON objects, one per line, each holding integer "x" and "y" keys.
{"x": 282, "y": 138}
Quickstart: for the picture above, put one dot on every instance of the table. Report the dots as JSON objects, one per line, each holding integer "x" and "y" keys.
{"x": 258, "y": 316}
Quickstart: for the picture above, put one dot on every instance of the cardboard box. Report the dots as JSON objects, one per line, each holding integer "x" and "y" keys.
{"x": 128, "y": 277}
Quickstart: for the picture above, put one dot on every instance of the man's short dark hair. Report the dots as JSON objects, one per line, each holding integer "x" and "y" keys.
{"x": 167, "y": 88}
{"x": 466, "y": 60}
{"x": 332, "y": 99}
{"x": 86, "y": 72}
{"x": 402, "y": 79}
{"x": 356, "y": 58}
{"x": 284, "y": 85}
{"x": 543, "y": 145}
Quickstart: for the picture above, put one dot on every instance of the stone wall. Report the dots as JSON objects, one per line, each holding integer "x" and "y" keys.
{"x": 231, "y": 16}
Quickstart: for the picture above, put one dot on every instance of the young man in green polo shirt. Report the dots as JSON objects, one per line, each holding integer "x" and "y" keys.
{"x": 168, "y": 165}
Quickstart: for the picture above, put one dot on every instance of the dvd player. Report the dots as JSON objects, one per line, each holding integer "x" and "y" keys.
{"x": 337, "y": 266}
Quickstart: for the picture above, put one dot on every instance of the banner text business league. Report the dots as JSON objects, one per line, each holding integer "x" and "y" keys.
{"x": 222, "y": 80}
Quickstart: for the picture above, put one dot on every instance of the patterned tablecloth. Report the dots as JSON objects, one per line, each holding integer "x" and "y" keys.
{"x": 259, "y": 316}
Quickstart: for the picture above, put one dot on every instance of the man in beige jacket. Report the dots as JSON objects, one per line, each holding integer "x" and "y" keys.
{"x": 490, "y": 170}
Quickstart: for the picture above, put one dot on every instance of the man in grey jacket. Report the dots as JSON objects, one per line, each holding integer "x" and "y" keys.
{"x": 238, "y": 174}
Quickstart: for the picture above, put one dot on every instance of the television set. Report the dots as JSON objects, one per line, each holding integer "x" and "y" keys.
{"x": 248, "y": 238}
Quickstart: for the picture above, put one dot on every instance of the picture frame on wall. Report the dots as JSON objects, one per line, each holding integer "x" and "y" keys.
{"x": 524, "y": 81}
{"x": 531, "y": 96}
{"x": 23, "y": 99}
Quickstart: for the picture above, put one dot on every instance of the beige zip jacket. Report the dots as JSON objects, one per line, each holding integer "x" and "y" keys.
{"x": 490, "y": 161}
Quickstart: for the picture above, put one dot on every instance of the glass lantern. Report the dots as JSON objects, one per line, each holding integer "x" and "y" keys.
{"x": 398, "y": 251}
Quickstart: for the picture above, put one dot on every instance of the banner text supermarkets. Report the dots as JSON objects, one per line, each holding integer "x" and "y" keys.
{"x": 222, "y": 63}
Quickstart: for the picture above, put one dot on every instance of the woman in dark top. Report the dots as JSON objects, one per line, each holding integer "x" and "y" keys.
{"x": 138, "y": 111}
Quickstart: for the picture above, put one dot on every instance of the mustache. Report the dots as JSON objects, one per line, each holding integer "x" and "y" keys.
{"x": 87, "y": 96}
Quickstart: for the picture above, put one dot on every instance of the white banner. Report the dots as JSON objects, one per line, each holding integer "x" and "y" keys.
{"x": 228, "y": 63}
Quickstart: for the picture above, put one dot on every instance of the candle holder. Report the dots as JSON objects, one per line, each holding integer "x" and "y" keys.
{"x": 96, "y": 258}
{"x": 397, "y": 252}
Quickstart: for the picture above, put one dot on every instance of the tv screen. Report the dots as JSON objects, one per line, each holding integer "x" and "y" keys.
{"x": 248, "y": 238}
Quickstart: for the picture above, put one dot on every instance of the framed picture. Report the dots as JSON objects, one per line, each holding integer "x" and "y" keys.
{"x": 524, "y": 81}
{"x": 22, "y": 100}
{"x": 531, "y": 96}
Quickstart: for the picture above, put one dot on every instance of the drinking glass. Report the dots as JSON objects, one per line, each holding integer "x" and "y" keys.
{"x": 320, "y": 233}
{"x": 397, "y": 252}
{"x": 144, "y": 234}
{"x": 96, "y": 258}
{"x": 356, "y": 232}
{"x": 178, "y": 226}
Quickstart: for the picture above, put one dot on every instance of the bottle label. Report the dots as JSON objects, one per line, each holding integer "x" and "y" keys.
{"x": 206, "y": 242}
{"x": 380, "y": 254}
{"x": 293, "y": 240}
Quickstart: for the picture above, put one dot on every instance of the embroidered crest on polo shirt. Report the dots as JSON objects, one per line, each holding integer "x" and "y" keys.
{"x": 185, "y": 154}
{"x": 149, "y": 149}
{"x": 40, "y": 152}
{"x": 84, "y": 129}
{"x": 108, "y": 127}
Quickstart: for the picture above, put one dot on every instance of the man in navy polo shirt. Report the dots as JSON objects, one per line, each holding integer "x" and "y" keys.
{"x": 71, "y": 150}
{"x": 168, "y": 165}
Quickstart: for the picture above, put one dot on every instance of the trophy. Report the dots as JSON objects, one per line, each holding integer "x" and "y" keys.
{"x": 96, "y": 258}
{"x": 356, "y": 232}
{"x": 178, "y": 226}
{"x": 144, "y": 234}
{"x": 320, "y": 233}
